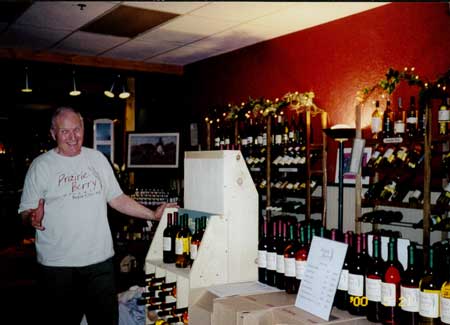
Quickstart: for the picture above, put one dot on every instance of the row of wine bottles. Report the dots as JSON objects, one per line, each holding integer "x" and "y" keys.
{"x": 160, "y": 300}
{"x": 180, "y": 244}
{"x": 406, "y": 123}
{"x": 154, "y": 197}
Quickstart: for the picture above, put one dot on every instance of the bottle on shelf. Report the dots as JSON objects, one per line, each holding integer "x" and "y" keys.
{"x": 444, "y": 116}
{"x": 301, "y": 255}
{"x": 388, "y": 121}
{"x": 376, "y": 121}
{"x": 282, "y": 243}
{"x": 445, "y": 292}
{"x": 429, "y": 293}
{"x": 291, "y": 282}
{"x": 272, "y": 257}
{"x": 411, "y": 118}
{"x": 443, "y": 200}
{"x": 356, "y": 286}
{"x": 390, "y": 286}
{"x": 182, "y": 244}
{"x": 341, "y": 299}
{"x": 168, "y": 249}
{"x": 262, "y": 251}
{"x": 400, "y": 118}
{"x": 409, "y": 290}
{"x": 374, "y": 274}
{"x": 196, "y": 240}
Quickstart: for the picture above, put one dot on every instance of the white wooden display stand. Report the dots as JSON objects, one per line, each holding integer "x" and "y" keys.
{"x": 217, "y": 184}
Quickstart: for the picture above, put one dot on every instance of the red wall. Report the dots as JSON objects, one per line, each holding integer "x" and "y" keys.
{"x": 334, "y": 60}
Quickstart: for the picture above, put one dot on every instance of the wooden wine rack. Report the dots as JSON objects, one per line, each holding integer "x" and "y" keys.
{"x": 217, "y": 185}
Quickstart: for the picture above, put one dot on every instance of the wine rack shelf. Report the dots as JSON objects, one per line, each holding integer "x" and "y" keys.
{"x": 217, "y": 185}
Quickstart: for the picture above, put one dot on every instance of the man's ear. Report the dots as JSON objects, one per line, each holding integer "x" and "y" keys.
{"x": 52, "y": 132}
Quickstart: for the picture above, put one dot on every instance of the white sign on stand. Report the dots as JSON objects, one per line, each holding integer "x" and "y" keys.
{"x": 321, "y": 278}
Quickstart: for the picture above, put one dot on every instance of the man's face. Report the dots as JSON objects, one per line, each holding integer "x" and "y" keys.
{"x": 68, "y": 133}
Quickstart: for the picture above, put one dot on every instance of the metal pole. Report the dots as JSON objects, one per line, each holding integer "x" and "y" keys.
{"x": 341, "y": 185}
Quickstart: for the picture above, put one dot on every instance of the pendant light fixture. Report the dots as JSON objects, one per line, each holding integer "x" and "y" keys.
{"x": 74, "y": 91}
{"x": 120, "y": 84}
{"x": 26, "y": 88}
{"x": 109, "y": 93}
{"x": 124, "y": 94}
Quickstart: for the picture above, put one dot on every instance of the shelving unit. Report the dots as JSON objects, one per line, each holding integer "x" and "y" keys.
{"x": 217, "y": 185}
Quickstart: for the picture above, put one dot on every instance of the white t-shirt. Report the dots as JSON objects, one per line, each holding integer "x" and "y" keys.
{"x": 76, "y": 191}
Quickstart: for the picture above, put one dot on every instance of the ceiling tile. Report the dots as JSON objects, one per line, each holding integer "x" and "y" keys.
{"x": 63, "y": 14}
{"x": 239, "y": 11}
{"x": 88, "y": 43}
{"x": 30, "y": 37}
{"x": 183, "y": 55}
{"x": 137, "y": 20}
{"x": 187, "y": 29}
{"x": 177, "y": 7}
{"x": 136, "y": 50}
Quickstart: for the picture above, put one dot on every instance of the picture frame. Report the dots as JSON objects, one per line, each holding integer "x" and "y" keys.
{"x": 153, "y": 150}
{"x": 349, "y": 177}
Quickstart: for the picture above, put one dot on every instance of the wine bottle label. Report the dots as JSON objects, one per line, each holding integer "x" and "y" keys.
{"x": 262, "y": 258}
{"x": 444, "y": 115}
{"x": 280, "y": 263}
{"x": 355, "y": 284}
{"x": 445, "y": 310}
{"x": 388, "y": 294}
{"x": 178, "y": 246}
{"x": 409, "y": 298}
{"x": 167, "y": 244}
{"x": 376, "y": 124}
{"x": 411, "y": 120}
{"x": 343, "y": 280}
{"x": 429, "y": 303}
{"x": 402, "y": 154}
{"x": 416, "y": 194}
{"x": 260, "y": 139}
{"x": 300, "y": 267}
{"x": 271, "y": 261}
{"x": 193, "y": 251}
{"x": 289, "y": 267}
{"x": 278, "y": 138}
{"x": 388, "y": 153}
{"x": 447, "y": 188}
{"x": 373, "y": 289}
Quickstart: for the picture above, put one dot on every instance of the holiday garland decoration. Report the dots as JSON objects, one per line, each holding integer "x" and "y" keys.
{"x": 428, "y": 90}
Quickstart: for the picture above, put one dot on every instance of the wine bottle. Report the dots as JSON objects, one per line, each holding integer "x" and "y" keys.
{"x": 374, "y": 274}
{"x": 429, "y": 294}
{"x": 272, "y": 257}
{"x": 168, "y": 250}
{"x": 445, "y": 290}
{"x": 390, "y": 286}
{"x": 161, "y": 306}
{"x": 291, "y": 282}
{"x": 196, "y": 239}
{"x": 262, "y": 253}
{"x": 282, "y": 242}
{"x": 388, "y": 121}
{"x": 301, "y": 256}
{"x": 375, "y": 124}
{"x": 182, "y": 244}
{"x": 356, "y": 286}
{"x": 409, "y": 290}
{"x": 341, "y": 299}
{"x": 411, "y": 119}
{"x": 444, "y": 197}
{"x": 444, "y": 117}
{"x": 400, "y": 118}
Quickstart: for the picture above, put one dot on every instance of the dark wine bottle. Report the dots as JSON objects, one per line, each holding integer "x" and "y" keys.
{"x": 409, "y": 290}
{"x": 291, "y": 282}
{"x": 356, "y": 285}
{"x": 168, "y": 249}
{"x": 341, "y": 299}
{"x": 429, "y": 294}
{"x": 411, "y": 118}
{"x": 390, "y": 286}
{"x": 272, "y": 257}
{"x": 301, "y": 256}
{"x": 262, "y": 254}
{"x": 374, "y": 273}
{"x": 388, "y": 121}
{"x": 182, "y": 244}
{"x": 282, "y": 242}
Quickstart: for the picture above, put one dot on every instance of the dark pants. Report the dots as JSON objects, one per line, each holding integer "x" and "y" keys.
{"x": 69, "y": 292}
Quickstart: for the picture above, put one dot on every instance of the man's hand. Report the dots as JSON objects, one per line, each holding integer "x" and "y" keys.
{"x": 36, "y": 216}
{"x": 160, "y": 210}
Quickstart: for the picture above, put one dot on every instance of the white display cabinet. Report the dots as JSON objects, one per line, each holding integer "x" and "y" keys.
{"x": 217, "y": 184}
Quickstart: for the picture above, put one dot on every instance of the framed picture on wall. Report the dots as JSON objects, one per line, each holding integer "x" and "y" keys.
{"x": 153, "y": 150}
{"x": 349, "y": 178}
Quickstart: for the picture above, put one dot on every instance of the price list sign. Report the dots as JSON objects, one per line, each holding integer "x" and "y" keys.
{"x": 321, "y": 278}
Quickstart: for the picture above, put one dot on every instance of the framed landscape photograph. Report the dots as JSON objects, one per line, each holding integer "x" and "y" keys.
{"x": 153, "y": 150}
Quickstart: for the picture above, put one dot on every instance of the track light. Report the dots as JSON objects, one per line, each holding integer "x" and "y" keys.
{"x": 26, "y": 88}
{"x": 74, "y": 91}
{"x": 124, "y": 94}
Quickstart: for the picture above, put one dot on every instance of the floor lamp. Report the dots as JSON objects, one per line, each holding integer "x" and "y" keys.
{"x": 340, "y": 133}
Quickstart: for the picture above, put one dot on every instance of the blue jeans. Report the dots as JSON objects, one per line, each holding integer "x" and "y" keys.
{"x": 69, "y": 292}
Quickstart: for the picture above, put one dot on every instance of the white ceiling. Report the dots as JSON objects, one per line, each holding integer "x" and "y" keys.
{"x": 202, "y": 29}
